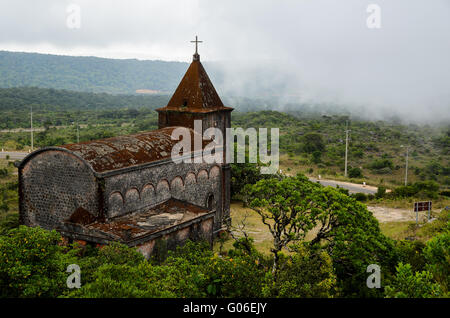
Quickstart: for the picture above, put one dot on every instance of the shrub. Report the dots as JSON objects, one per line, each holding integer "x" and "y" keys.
{"x": 312, "y": 142}
{"x": 119, "y": 254}
{"x": 316, "y": 157}
{"x": 305, "y": 274}
{"x": 381, "y": 191}
{"x": 234, "y": 277}
{"x": 409, "y": 284}
{"x": 130, "y": 275}
{"x": 411, "y": 252}
{"x": 355, "y": 173}
{"x": 238, "y": 275}
{"x": 359, "y": 197}
{"x": 385, "y": 170}
{"x": 119, "y": 281}
{"x": 424, "y": 189}
{"x": 381, "y": 164}
{"x": 90, "y": 258}
{"x": 437, "y": 254}
{"x": 4, "y": 172}
{"x": 8, "y": 221}
{"x": 342, "y": 190}
{"x": 32, "y": 264}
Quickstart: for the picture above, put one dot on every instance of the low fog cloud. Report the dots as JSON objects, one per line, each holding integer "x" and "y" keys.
{"x": 312, "y": 51}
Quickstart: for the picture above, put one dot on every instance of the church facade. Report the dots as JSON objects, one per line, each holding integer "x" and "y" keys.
{"x": 128, "y": 188}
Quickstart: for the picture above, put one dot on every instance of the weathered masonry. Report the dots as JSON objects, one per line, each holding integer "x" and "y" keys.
{"x": 127, "y": 188}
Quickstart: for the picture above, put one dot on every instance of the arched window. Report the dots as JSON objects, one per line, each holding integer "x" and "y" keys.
{"x": 211, "y": 203}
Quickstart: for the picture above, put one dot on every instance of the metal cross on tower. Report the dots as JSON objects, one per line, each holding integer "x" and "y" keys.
{"x": 196, "y": 56}
{"x": 196, "y": 42}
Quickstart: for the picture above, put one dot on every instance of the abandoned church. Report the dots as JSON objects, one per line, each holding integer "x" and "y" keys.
{"x": 127, "y": 188}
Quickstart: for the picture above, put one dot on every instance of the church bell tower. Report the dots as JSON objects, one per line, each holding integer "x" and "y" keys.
{"x": 196, "y": 99}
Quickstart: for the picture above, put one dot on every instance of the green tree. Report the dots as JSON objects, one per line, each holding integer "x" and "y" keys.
{"x": 242, "y": 174}
{"x": 287, "y": 207}
{"x": 245, "y": 173}
{"x": 305, "y": 273}
{"x": 343, "y": 227}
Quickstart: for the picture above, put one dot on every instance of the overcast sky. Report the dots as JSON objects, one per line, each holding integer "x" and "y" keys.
{"x": 316, "y": 50}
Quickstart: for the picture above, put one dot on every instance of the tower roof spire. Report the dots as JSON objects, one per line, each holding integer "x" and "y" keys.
{"x": 196, "y": 55}
{"x": 195, "y": 93}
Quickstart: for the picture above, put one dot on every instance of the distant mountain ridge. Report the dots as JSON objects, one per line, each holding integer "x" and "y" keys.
{"x": 50, "y": 99}
{"x": 89, "y": 74}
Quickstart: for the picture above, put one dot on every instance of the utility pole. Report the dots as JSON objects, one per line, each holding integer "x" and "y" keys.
{"x": 78, "y": 134}
{"x": 346, "y": 148}
{"x": 31, "y": 126}
{"x": 406, "y": 163}
{"x": 406, "y": 166}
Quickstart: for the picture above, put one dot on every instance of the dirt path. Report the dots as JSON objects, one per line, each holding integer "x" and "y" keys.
{"x": 384, "y": 214}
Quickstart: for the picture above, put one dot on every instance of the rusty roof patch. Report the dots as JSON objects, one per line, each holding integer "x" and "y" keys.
{"x": 127, "y": 151}
{"x": 195, "y": 93}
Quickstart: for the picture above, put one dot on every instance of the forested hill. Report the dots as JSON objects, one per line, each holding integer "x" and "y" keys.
{"x": 48, "y": 99}
{"x": 88, "y": 74}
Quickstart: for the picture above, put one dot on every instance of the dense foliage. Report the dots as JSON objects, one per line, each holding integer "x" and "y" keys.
{"x": 331, "y": 263}
{"x": 61, "y": 107}
{"x": 91, "y": 74}
{"x": 32, "y": 263}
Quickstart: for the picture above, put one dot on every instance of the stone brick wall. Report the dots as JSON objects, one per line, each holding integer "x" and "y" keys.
{"x": 138, "y": 190}
{"x": 53, "y": 185}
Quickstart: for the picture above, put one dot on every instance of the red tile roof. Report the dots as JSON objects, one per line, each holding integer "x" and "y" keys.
{"x": 195, "y": 93}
